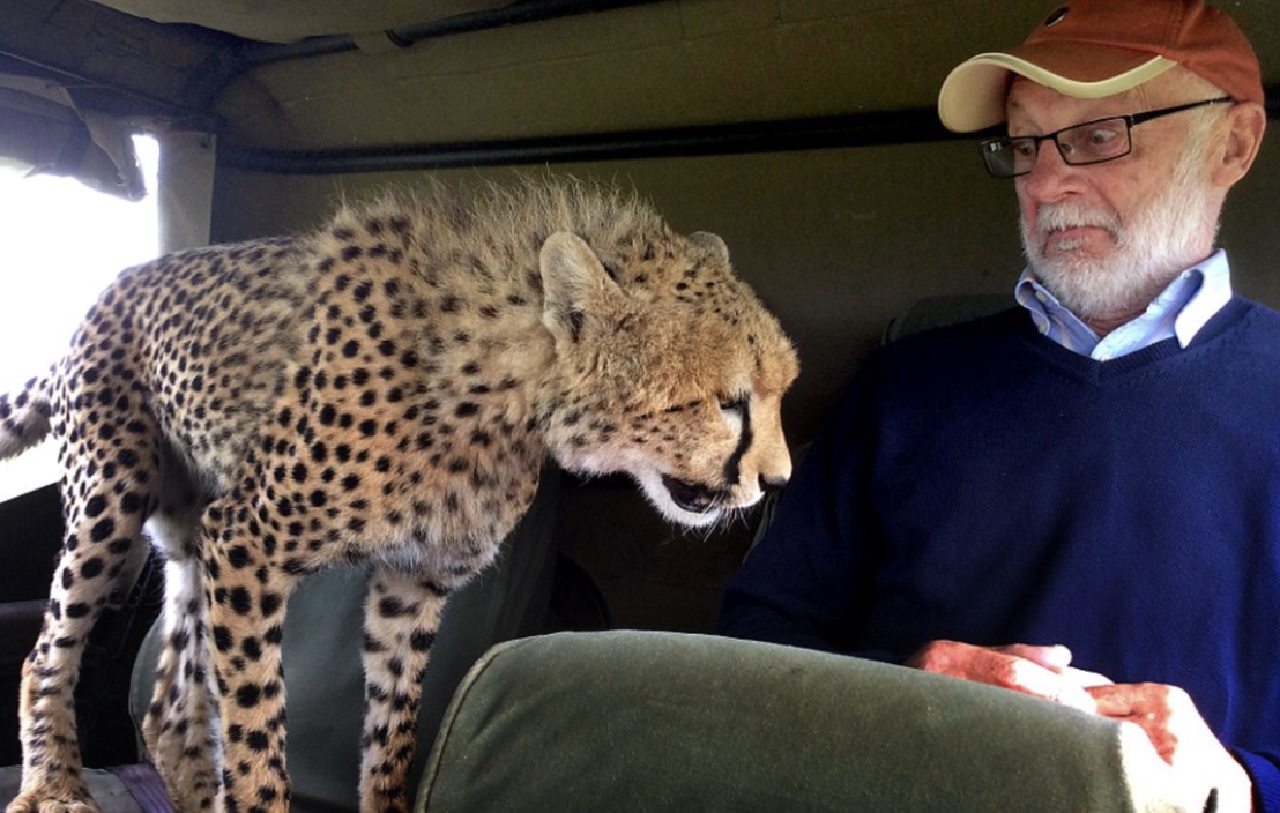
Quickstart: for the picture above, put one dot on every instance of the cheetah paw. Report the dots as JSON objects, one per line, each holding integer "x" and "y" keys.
{"x": 38, "y": 801}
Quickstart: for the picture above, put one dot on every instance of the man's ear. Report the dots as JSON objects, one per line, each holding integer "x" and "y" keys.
{"x": 574, "y": 283}
{"x": 1246, "y": 122}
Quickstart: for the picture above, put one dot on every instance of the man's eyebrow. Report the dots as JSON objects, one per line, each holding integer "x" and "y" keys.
{"x": 1012, "y": 108}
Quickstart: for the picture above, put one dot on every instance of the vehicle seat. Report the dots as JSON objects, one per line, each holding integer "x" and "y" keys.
{"x": 931, "y": 312}
{"x": 670, "y": 723}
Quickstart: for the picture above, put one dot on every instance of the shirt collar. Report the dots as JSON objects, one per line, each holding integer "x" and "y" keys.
{"x": 1179, "y": 311}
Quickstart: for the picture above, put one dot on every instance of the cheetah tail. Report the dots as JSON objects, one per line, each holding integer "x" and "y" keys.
{"x": 24, "y": 418}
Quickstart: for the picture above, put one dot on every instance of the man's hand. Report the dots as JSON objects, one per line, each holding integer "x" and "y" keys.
{"x": 1040, "y": 671}
{"x": 1165, "y": 713}
{"x": 1181, "y": 737}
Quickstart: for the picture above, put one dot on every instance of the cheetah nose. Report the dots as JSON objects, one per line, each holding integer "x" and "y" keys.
{"x": 769, "y": 485}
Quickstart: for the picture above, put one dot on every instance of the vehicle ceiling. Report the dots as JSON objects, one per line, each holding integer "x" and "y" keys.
{"x": 312, "y": 74}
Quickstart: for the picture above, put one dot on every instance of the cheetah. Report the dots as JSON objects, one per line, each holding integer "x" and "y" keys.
{"x": 382, "y": 390}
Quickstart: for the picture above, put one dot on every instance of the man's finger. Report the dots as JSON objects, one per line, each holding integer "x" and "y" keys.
{"x": 1137, "y": 700}
{"x": 1084, "y": 678}
{"x": 1034, "y": 679}
{"x": 1056, "y": 657}
{"x": 1005, "y": 668}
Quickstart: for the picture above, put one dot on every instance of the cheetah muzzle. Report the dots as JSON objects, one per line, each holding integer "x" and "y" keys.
{"x": 382, "y": 390}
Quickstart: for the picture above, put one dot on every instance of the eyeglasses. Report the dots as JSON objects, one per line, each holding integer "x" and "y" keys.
{"x": 1093, "y": 142}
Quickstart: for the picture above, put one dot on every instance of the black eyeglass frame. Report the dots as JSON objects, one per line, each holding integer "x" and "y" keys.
{"x": 1130, "y": 120}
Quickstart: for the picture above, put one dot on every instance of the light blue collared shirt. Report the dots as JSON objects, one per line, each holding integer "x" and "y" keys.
{"x": 1180, "y": 311}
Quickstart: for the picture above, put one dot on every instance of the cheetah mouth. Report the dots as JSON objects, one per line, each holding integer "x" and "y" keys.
{"x": 691, "y": 497}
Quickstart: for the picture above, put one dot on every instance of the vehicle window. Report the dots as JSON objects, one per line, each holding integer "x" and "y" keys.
{"x": 63, "y": 243}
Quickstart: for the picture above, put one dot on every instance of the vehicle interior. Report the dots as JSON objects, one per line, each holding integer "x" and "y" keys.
{"x": 803, "y": 132}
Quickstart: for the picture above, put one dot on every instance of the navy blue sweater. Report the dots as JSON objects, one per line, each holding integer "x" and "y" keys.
{"x": 980, "y": 483}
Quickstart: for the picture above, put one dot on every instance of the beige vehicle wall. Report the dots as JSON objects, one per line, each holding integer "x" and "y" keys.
{"x": 838, "y": 240}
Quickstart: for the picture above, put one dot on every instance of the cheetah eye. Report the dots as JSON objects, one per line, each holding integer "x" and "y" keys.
{"x": 736, "y": 405}
{"x": 733, "y": 411}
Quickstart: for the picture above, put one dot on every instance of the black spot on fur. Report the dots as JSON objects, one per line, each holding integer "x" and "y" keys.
{"x": 102, "y": 530}
{"x": 222, "y": 638}
{"x": 421, "y": 640}
{"x": 241, "y": 601}
{"x": 238, "y": 557}
{"x": 248, "y": 695}
{"x": 269, "y": 603}
{"x": 391, "y": 607}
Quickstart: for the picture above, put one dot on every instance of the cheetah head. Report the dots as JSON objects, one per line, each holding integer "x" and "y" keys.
{"x": 667, "y": 369}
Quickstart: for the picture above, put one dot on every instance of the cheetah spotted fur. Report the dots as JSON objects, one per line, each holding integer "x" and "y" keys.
{"x": 383, "y": 390}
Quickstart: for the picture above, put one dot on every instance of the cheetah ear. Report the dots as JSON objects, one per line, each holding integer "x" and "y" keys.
{"x": 574, "y": 283}
{"x": 712, "y": 243}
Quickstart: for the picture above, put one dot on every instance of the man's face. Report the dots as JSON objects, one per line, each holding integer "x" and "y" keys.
{"x": 1107, "y": 238}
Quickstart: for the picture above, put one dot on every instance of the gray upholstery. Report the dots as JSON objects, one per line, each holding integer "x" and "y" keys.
{"x": 111, "y": 794}
{"x": 655, "y": 722}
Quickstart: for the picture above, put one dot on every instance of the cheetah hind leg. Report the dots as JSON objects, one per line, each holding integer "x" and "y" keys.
{"x": 180, "y": 724}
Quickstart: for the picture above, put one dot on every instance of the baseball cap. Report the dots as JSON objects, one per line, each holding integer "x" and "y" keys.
{"x": 1095, "y": 48}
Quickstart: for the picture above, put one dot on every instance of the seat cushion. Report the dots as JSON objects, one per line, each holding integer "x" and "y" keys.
{"x": 670, "y": 722}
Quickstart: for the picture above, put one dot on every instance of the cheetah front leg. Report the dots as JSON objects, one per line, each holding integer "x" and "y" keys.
{"x": 402, "y": 614}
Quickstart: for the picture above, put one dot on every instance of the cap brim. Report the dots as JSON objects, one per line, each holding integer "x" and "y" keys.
{"x": 973, "y": 96}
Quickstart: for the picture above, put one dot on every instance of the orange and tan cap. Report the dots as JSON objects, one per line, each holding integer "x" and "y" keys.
{"x": 1095, "y": 48}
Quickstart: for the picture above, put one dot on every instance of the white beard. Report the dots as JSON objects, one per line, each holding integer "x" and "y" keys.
{"x": 1162, "y": 239}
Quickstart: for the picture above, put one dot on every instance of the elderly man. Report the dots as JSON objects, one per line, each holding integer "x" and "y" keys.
{"x": 1094, "y": 472}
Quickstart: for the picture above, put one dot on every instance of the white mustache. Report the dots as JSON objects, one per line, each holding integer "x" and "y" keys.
{"x": 1059, "y": 216}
